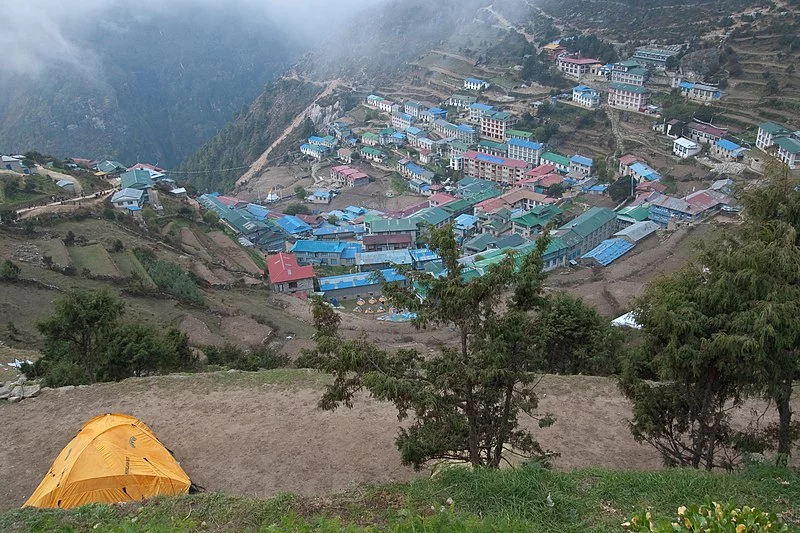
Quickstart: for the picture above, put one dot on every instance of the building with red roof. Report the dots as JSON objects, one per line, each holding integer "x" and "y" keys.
{"x": 147, "y": 166}
{"x": 285, "y": 275}
{"x": 385, "y": 242}
{"x": 577, "y": 67}
{"x": 441, "y": 198}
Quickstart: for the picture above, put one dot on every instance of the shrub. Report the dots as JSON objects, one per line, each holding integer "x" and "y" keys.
{"x": 170, "y": 277}
{"x": 9, "y": 271}
{"x": 259, "y": 357}
{"x": 710, "y": 517}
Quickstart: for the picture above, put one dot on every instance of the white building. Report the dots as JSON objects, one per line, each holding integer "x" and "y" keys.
{"x": 684, "y": 148}
{"x": 527, "y": 151}
{"x": 768, "y": 132}
{"x": 474, "y": 84}
{"x": 575, "y": 67}
{"x": 127, "y": 198}
{"x": 789, "y": 150}
{"x": 586, "y": 97}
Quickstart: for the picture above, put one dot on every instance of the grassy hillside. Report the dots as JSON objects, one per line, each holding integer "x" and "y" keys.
{"x": 455, "y": 500}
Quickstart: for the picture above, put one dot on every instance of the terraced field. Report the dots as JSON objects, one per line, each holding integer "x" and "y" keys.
{"x": 94, "y": 258}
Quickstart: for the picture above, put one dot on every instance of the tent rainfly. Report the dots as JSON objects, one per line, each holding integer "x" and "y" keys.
{"x": 113, "y": 458}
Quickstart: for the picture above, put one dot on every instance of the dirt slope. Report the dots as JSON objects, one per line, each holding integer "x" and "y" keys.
{"x": 233, "y": 433}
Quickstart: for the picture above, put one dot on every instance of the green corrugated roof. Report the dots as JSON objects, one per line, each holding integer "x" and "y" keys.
{"x": 590, "y": 221}
{"x": 136, "y": 179}
{"x": 396, "y": 224}
{"x": 788, "y": 144}
{"x": 538, "y": 216}
{"x": 628, "y": 88}
{"x": 500, "y": 147}
{"x": 519, "y": 133}
{"x": 630, "y": 63}
{"x": 638, "y": 213}
{"x": 371, "y": 151}
{"x": 458, "y": 145}
{"x": 772, "y": 128}
{"x": 370, "y": 135}
{"x": 556, "y": 158}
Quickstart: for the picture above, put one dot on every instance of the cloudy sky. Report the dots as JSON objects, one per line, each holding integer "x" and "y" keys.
{"x": 39, "y": 33}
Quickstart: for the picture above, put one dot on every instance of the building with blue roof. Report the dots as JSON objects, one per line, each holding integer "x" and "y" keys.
{"x": 293, "y": 226}
{"x": 402, "y": 121}
{"x": 477, "y": 112}
{"x": 329, "y": 231}
{"x": 523, "y": 150}
{"x": 728, "y": 150}
{"x": 359, "y": 284}
{"x": 699, "y": 91}
{"x": 607, "y": 252}
{"x": 320, "y": 252}
{"x": 422, "y": 256}
{"x": 258, "y": 211}
{"x": 586, "y": 97}
{"x": 581, "y": 165}
{"x": 436, "y": 113}
{"x": 475, "y": 84}
{"x": 461, "y": 132}
{"x": 367, "y": 261}
{"x": 640, "y": 172}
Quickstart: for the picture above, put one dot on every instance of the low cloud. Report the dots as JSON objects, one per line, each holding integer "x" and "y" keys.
{"x": 38, "y": 34}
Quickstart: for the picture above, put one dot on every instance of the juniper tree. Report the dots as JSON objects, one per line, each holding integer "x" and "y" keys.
{"x": 723, "y": 329}
{"x": 464, "y": 402}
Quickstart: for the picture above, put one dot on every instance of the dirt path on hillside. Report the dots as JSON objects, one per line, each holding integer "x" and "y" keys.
{"x": 235, "y": 435}
{"x": 262, "y": 161}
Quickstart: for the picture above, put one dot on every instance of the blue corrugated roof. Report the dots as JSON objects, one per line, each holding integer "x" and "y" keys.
{"x": 725, "y": 144}
{"x": 474, "y": 80}
{"x": 582, "y": 88}
{"x": 645, "y": 171}
{"x": 581, "y": 160}
{"x": 482, "y": 107}
{"x": 465, "y": 221}
{"x": 352, "y": 249}
{"x": 413, "y": 130}
{"x": 423, "y": 254}
{"x": 465, "y": 128}
{"x": 361, "y": 279}
{"x": 293, "y": 225}
{"x": 339, "y": 230}
{"x": 609, "y": 251}
{"x": 526, "y": 144}
{"x": 316, "y": 247}
{"x": 258, "y": 211}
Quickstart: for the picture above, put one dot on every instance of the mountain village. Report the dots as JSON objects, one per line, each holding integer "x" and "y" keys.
{"x": 468, "y": 162}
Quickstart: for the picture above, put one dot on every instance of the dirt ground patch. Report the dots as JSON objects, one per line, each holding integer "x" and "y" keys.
{"x": 254, "y": 439}
{"x": 190, "y": 243}
{"x": 244, "y": 330}
{"x": 260, "y": 434}
{"x": 233, "y": 251}
{"x": 612, "y": 289}
{"x": 198, "y": 331}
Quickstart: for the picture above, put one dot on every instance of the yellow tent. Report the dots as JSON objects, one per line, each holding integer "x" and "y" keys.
{"x": 113, "y": 458}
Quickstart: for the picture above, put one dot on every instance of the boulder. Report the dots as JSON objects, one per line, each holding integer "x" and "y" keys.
{"x": 14, "y": 399}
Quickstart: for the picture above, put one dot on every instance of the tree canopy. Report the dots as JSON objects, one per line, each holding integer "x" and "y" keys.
{"x": 465, "y": 402}
{"x": 721, "y": 330}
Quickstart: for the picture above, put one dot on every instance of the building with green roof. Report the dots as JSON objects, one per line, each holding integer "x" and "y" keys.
{"x": 586, "y": 231}
{"x": 519, "y": 134}
{"x": 557, "y": 160}
{"x": 631, "y": 215}
{"x": 531, "y": 224}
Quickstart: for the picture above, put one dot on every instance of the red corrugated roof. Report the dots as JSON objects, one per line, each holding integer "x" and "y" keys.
{"x": 283, "y": 267}
{"x": 580, "y": 61}
{"x": 441, "y": 198}
{"x": 541, "y": 170}
{"x": 628, "y": 160}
